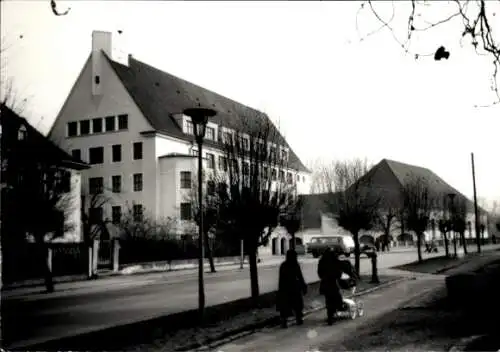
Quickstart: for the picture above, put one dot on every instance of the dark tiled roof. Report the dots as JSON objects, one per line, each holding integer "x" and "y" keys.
{"x": 160, "y": 95}
{"x": 42, "y": 148}
{"x": 313, "y": 205}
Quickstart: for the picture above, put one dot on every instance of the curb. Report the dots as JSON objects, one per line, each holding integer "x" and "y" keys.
{"x": 238, "y": 333}
{"x": 462, "y": 344}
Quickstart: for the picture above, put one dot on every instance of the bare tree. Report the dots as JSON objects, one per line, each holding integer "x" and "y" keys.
{"x": 37, "y": 185}
{"x": 459, "y": 220}
{"x": 257, "y": 190}
{"x": 291, "y": 221}
{"x": 418, "y": 203}
{"x": 351, "y": 199}
{"x": 477, "y": 18}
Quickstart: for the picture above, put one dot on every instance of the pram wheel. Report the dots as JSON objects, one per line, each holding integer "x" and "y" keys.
{"x": 353, "y": 312}
{"x": 361, "y": 310}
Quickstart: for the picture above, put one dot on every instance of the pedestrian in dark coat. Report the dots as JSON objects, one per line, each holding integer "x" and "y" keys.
{"x": 330, "y": 272}
{"x": 291, "y": 287}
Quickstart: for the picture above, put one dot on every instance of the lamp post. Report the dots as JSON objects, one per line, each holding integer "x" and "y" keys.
{"x": 452, "y": 219}
{"x": 199, "y": 118}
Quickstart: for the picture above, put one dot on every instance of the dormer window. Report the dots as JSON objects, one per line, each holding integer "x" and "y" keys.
{"x": 210, "y": 133}
{"x": 227, "y": 137}
{"x": 22, "y": 133}
{"x": 188, "y": 127}
{"x": 284, "y": 155}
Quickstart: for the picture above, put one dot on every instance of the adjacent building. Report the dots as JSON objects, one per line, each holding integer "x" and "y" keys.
{"x": 127, "y": 122}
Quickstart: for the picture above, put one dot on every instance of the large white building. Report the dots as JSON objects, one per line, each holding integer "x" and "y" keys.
{"x": 126, "y": 121}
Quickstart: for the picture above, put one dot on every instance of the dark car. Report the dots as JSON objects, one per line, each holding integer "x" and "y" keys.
{"x": 318, "y": 245}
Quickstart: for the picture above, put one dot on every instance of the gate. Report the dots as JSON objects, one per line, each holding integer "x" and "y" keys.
{"x": 105, "y": 255}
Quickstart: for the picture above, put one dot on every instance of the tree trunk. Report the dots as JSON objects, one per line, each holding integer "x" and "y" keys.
{"x": 446, "y": 244}
{"x": 375, "y": 279}
{"x": 293, "y": 242}
{"x": 48, "y": 277}
{"x": 454, "y": 239}
{"x": 89, "y": 260}
{"x": 464, "y": 243}
{"x": 254, "y": 276}
{"x": 357, "y": 252}
{"x": 419, "y": 247}
{"x": 95, "y": 257}
{"x": 210, "y": 256}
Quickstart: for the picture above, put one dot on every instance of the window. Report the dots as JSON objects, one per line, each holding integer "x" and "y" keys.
{"x": 76, "y": 154}
{"x": 195, "y": 152}
{"x": 245, "y": 143}
{"x": 265, "y": 172}
{"x": 65, "y": 179}
{"x": 273, "y": 174}
{"x": 96, "y": 185}
{"x": 211, "y": 188}
{"x": 188, "y": 127}
{"x": 84, "y": 127}
{"x": 272, "y": 153}
{"x": 210, "y": 161}
{"x": 116, "y": 153}
{"x": 210, "y": 133}
{"x": 95, "y": 215}
{"x": 282, "y": 176}
{"x": 185, "y": 211}
{"x": 246, "y": 168}
{"x": 137, "y": 182}
{"x": 97, "y": 79}
{"x": 116, "y": 183}
{"x": 22, "y": 133}
{"x": 96, "y": 155}
{"x": 222, "y": 163}
{"x": 97, "y": 125}
{"x": 116, "y": 214}
{"x": 123, "y": 122}
{"x": 289, "y": 178}
{"x": 109, "y": 122}
{"x": 72, "y": 129}
{"x": 185, "y": 179}
{"x": 137, "y": 212}
{"x": 284, "y": 155}
{"x": 137, "y": 150}
{"x": 303, "y": 179}
{"x": 298, "y": 178}
{"x": 227, "y": 137}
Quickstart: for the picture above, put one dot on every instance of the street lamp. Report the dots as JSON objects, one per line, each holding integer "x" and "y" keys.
{"x": 452, "y": 220}
{"x": 199, "y": 118}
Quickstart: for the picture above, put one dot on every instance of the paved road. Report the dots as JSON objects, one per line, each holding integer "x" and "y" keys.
{"x": 316, "y": 335}
{"x": 42, "y": 317}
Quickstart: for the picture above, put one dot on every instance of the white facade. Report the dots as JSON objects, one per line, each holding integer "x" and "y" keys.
{"x": 97, "y": 94}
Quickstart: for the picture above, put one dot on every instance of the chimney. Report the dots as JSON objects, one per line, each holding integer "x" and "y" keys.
{"x": 101, "y": 42}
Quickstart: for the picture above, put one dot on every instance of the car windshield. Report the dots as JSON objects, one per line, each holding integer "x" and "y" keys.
{"x": 326, "y": 240}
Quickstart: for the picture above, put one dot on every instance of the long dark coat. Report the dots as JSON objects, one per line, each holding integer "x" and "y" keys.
{"x": 291, "y": 287}
{"x": 330, "y": 272}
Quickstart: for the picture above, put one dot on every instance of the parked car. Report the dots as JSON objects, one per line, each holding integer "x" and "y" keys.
{"x": 318, "y": 245}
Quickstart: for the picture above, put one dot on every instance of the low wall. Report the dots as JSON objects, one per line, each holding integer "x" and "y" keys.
{"x": 180, "y": 264}
{"x": 120, "y": 337}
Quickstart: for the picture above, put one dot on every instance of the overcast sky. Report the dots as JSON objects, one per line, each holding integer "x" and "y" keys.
{"x": 334, "y": 95}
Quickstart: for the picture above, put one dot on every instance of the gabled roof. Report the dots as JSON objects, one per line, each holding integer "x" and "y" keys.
{"x": 160, "y": 96}
{"x": 313, "y": 205}
{"x": 404, "y": 173}
{"x": 42, "y": 148}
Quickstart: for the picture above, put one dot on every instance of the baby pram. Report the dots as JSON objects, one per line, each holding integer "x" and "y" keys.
{"x": 351, "y": 307}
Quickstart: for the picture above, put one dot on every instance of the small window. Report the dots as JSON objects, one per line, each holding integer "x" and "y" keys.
{"x": 185, "y": 211}
{"x": 97, "y": 79}
{"x": 97, "y": 125}
{"x": 137, "y": 150}
{"x": 246, "y": 168}
{"x": 95, "y": 215}
{"x": 137, "y": 182}
{"x": 298, "y": 178}
{"x": 284, "y": 155}
{"x": 137, "y": 212}
{"x": 282, "y": 176}
{"x": 185, "y": 179}
{"x": 289, "y": 178}
{"x": 116, "y": 214}
{"x": 76, "y": 154}
{"x": 110, "y": 123}
{"x": 84, "y": 127}
{"x": 116, "y": 151}
{"x": 210, "y": 161}
{"x": 96, "y": 185}
{"x": 227, "y": 137}
{"x": 72, "y": 129}
{"x": 273, "y": 175}
{"x": 96, "y": 155}
{"x": 303, "y": 179}
{"x": 22, "y": 133}
{"x": 272, "y": 153}
{"x": 194, "y": 152}
{"x": 210, "y": 133}
{"x": 211, "y": 188}
{"x": 122, "y": 122}
{"x": 265, "y": 172}
{"x": 222, "y": 163}
{"x": 188, "y": 127}
{"x": 116, "y": 183}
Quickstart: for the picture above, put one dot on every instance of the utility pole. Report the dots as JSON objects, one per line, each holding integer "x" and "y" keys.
{"x": 476, "y": 212}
